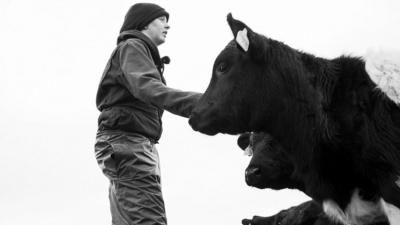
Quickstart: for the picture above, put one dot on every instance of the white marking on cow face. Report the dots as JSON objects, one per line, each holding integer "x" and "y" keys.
{"x": 248, "y": 151}
{"x": 357, "y": 212}
{"x": 383, "y": 67}
{"x": 242, "y": 39}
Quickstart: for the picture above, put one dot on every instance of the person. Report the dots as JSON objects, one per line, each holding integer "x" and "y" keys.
{"x": 131, "y": 98}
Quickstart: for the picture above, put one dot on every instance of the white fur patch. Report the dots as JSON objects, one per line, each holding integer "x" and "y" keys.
{"x": 242, "y": 39}
{"x": 334, "y": 212}
{"x": 383, "y": 68}
{"x": 398, "y": 182}
{"x": 361, "y": 211}
{"x": 392, "y": 212}
{"x": 248, "y": 151}
{"x": 357, "y": 212}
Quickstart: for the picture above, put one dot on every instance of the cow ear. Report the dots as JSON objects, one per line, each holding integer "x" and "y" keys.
{"x": 244, "y": 143}
{"x": 248, "y": 40}
{"x": 240, "y": 32}
{"x": 244, "y": 140}
{"x": 235, "y": 25}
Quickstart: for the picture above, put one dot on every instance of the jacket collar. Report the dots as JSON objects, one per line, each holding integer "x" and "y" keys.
{"x": 125, "y": 35}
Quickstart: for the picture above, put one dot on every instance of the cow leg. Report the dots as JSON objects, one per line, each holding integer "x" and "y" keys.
{"x": 259, "y": 220}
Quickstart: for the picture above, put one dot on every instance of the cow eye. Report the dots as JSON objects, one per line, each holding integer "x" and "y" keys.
{"x": 222, "y": 67}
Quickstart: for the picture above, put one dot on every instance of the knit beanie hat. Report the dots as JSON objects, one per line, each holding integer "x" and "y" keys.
{"x": 141, "y": 15}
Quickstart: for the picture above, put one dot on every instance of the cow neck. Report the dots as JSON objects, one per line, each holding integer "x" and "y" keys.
{"x": 125, "y": 35}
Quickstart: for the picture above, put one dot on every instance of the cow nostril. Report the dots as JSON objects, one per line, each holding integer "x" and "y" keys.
{"x": 193, "y": 114}
{"x": 253, "y": 176}
{"x": 253, "y": 171}
{"x": 192, "y": 119}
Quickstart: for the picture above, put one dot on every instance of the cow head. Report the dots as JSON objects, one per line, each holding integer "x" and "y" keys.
{"x": 269, "y": 167}
{"x": 254, "y": 87}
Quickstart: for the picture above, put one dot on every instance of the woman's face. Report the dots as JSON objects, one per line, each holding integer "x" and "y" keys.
{"x": 157, "y": 30}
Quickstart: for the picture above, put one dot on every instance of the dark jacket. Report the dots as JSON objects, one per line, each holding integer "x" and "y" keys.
{"x": 132, "y": 93}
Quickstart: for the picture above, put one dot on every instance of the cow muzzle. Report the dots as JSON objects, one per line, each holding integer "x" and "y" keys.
{"x": 194, "y": 121}
{"x": 253, "y": 176}
{"x": 203, "y": 124}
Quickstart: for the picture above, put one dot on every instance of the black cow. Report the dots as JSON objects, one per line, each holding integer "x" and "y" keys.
{"x": 270, "y": 167}
{"x": 340, "y": 131}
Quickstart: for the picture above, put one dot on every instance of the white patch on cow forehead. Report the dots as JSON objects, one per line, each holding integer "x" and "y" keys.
{"x": 242, "y": 39}
{"x": 383, "y": 68}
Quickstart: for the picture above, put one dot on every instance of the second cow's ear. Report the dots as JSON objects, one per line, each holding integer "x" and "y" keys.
{"x": 243, "y": 140}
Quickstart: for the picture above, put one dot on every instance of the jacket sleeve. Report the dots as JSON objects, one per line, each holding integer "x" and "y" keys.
{"x": 143, "y": 81}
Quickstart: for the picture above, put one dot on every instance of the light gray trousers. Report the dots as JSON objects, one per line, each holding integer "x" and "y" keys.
{"x": 131, "y": 163}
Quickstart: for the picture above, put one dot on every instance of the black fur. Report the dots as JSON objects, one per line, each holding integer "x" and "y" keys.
{"x": 338, "y": 129}
{"x": 307, "y": 213}
{"x": 270, "y": 167}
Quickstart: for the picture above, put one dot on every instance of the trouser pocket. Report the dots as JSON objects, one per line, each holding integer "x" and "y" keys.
{"x": 104, "y": 153}
{"x": 125, "y": 157}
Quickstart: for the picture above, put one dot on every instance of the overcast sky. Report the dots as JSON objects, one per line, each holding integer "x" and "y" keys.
{"x": 52, "y": 54}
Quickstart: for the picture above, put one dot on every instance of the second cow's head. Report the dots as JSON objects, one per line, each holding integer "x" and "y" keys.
{"x": 270, "y": 167}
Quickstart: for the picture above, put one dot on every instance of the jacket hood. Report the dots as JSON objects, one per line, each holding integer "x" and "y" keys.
{"x": 134, "y": 34}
